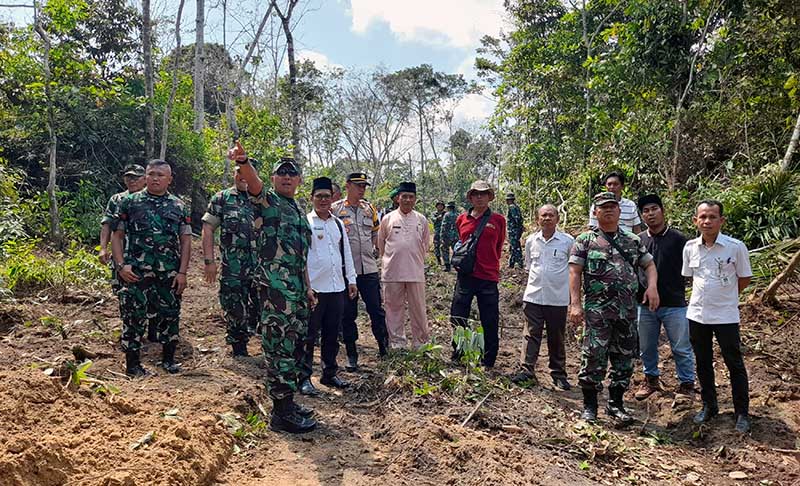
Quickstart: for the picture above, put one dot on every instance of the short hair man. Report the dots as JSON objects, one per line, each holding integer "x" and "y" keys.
{"x": 604, "y": 261}
{"x": 333, "y": 279}
{"x": 546, "y": 298}
{"x": 361, "y": 222}
{"x": 152, "y": 262}
{"x": 285, "y": 295}
{"x": 515, "y": 228}
{"x": 629, "y": 216}
{"x": 232, "y": 212}
{"x": 337, "y": 192}
{"x": 482, "y": 282}
{"x": 403, "y": 241}
{"x": 720, "y": 270}
{"x": 666, "y": 245}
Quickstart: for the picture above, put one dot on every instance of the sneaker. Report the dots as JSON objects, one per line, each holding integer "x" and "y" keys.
{"x": 524, "y": 377}
{"x": 562, "y": 384}
{"x": 307, "y": 388}
{"x": 334, "y": 382}
{"x": 708, "y": 412}
{"x": 686, "y": 389}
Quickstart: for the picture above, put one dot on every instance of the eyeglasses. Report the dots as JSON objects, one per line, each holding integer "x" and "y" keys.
{"x": 287, "y": 171}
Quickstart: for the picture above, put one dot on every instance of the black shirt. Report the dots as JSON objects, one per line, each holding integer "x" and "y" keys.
{"x": 667, "y": 250}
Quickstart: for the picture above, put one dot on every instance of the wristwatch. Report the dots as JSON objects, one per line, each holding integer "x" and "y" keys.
{"x": 209, "y": 261}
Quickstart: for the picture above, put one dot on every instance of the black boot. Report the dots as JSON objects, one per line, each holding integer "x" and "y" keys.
{"x": 709, "y": 411}
{"x": 589, "y": 405}
{"x": 352, "y": 357}
{"x": 446, "y": 267}
{"x": 133, "y": 367}
{"x": 239, "y": 349}
{"x": 383, "y": 348}
{"x": 168, "y": 359}
{"x": 284, "y": 418}
{"x": 152, "y": 332}
{"x": 302, "y": 410}
{"x": 615, "y": 407}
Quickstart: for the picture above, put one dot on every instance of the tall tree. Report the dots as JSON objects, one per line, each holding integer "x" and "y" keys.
{"x": 294, "y": 119}
{"x": 174, "y": 88}
{"x": 147, "y": 58}
{"x": 199, "y": 67}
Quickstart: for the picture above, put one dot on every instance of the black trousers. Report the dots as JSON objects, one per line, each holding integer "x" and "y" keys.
{"x": 554, "y": 318}
{"x": 701, "y": 336}
{"x": 485, "y": 291}
{"x": 325, "y": 319}
{"x": 369, "y": 288}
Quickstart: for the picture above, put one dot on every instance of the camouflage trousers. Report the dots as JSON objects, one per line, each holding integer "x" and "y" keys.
{"x": 607, "y": 339}
{"x": 284, "y": 325}
{"x": 437, "y": 245}
{"x": 446, "y": 249}
{"x": 151, "y": 299}
{"x": 516, "y": 250}
{"x": 239, "y": 301}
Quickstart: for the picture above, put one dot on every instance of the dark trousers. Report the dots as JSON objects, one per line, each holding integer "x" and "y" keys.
{"x": 488, "y": 298}
{"x": 537, "y": 318}
{"x": 325, "y": 320}
{"x": 701, "y": 336}
{"x": 369, "y": 288}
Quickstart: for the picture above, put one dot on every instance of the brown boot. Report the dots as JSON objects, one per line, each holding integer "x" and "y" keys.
{"x": 650, "y": 385}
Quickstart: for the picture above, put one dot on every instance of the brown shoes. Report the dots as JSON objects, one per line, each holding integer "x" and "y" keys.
{"x": 650, "y": 385}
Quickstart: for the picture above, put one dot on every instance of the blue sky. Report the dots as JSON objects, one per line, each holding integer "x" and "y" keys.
{"x": 363, "y": 34}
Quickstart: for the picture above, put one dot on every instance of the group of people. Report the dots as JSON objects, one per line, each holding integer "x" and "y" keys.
{"x": 295, "y": 279}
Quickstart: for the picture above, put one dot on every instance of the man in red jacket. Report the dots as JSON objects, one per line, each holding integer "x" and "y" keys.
{"x": 482, "y": 281}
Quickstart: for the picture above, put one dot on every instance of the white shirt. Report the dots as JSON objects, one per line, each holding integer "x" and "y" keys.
{"x": 548, "y": 264}
{"x": 628, "y": 215}
{"x": 715, "y": 276}
{"x": 325, "y": 257}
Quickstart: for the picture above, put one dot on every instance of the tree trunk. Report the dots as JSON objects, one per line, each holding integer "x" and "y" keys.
{"x": 199, "y": 69}
{"x": 147, "y": 58}
{"x": 286, "y": 20}
{"x": 55, "y": 221}
{"x": 175, "y": 63}
{"x": 787, "y": 159}
{"x": 769, "y": 294}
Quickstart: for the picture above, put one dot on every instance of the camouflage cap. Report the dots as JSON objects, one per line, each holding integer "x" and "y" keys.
{"x": 451, "y": 204}
{"x": 511, "y": 196}
{"x": 439, "y": 203}
{"x": 604, "y": 198}
{"x": 135, "y": 170}
{"x": 287, "y": 162}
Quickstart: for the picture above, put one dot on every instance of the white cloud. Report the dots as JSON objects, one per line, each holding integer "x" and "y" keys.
{"x": 320, "y": 60}
{"x": 451, "y": 23}
{"x": 473, "y": 107}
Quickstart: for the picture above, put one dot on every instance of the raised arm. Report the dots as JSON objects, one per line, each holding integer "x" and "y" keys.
{"x": 248, "y": 172}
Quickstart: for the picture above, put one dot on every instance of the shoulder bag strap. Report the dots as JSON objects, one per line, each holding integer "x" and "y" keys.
{"x": 481, "y": 225}
{"x": 619, "y": 249}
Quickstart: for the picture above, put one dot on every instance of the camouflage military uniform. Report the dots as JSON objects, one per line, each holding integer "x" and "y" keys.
{"x": 283, "y": 240}
{"x": 449, "y": 234}
{"x": 514, "y": 234}
{"x": 233, "y": 212}
{"x": 609, "y": 287}
{"x": 112, "y": 208}
{"x": 437, "y": 234}
{"x": 153, "y": 226}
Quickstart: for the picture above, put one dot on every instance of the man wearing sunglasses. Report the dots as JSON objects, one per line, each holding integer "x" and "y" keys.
{"x": 282, "y": 244}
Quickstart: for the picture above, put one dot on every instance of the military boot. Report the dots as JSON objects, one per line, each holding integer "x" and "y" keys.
{"x": 589, "y": 405}
{"x": 240, "y": 349}
{"x": 352, "y": 357}
{"x": 133, "y": 367}
{"x": 615, "y": 408}
{"x": 284, "y": 418}
{"x": 168, "y": 358}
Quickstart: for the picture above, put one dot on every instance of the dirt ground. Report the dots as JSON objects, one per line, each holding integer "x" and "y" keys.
{"x": 206, "y": 425}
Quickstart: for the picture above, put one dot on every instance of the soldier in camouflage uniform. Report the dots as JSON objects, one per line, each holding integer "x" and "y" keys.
{"x": 515, "y": 228}
{"x": 232, "y": 211}
{"x": 449, "y": 233}
{"x": 286, "y": 297}
{"x": 604, "y": 261}
{"x": 437, "y": 231}
{"x": 152, "y": 262}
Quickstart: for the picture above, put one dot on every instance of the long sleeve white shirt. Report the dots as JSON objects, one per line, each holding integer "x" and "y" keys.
{"x": 325, "y": 255}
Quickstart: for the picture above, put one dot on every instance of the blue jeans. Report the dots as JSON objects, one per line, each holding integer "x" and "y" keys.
{"x": 677, "y": 328}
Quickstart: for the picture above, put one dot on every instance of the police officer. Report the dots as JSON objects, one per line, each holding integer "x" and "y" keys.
{"x": 286, "y": 298}
{"x": 231, "y": 211}
{"x": 449, "y": 233}
{"x": 515, "y": 227}
{"x": 604, "y": 260}
{"x": 155, "y": 227}
{"x": 437, "y": 217}
{"x": 361, "y": 223}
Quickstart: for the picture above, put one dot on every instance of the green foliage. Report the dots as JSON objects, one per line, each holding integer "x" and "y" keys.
{"x": 470, "y": 345}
